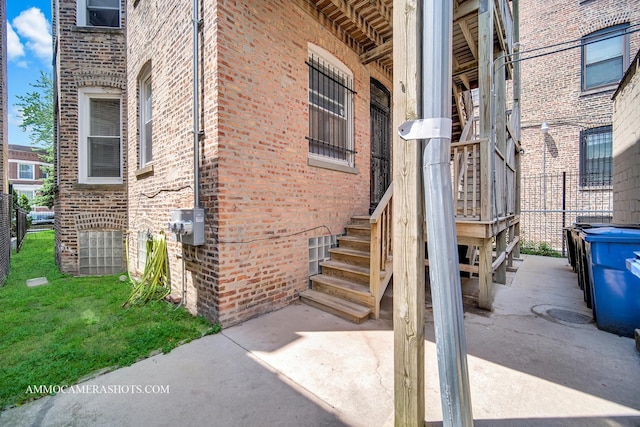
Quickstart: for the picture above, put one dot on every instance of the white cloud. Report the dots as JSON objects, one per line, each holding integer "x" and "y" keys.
{"x": 14, "y": 116}
{"x": 15, "y": 49}
{"x": 32, "y": 25}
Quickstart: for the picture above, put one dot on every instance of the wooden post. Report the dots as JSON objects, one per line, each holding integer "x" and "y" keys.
{"x": 485, "y": 76}
{"x": 408, "y": 242}
{"x": 485, "y": 296}
{"x": 501, "y": 144}
{"x": 516, "y": 117}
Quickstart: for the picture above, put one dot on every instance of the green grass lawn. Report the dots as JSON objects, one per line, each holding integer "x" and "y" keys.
{"x": 58, "y": 333}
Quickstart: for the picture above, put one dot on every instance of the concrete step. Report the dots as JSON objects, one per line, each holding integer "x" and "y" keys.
{"x": 350, "y": 256}
{"x": 341, "y": 288}
{"x": 346, "y": 309}
{"x": 350, "y": 272}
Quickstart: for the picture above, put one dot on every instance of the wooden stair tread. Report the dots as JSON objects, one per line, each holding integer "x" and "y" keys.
{"x": 361, "y": 217}
{"x": 338, "y": 306}
{"x": 349, "y": 251}
{"x": 362, "y": 239}
{"x": 358, "y": 226}
{"x": 346, "y": 267}
{"x": 341, "y": 283}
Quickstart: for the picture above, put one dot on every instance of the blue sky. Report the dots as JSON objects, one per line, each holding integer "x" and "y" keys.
{"x": 29, "y": 52}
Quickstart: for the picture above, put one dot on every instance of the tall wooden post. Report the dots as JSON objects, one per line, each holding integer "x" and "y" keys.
{"x": 500, "y": 119}
{"x": 485, "y": 75}
{"x": 408, "y": 238}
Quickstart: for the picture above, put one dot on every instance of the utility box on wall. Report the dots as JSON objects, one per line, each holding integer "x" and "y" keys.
{"x": 188, "y": 226}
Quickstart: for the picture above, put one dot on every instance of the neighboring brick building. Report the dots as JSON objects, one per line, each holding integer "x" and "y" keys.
{"x": 26, "y": 170}
{"x": 90, "y": 138}
{"x": 571, "y": 91}
{"x": 626, "y": 147}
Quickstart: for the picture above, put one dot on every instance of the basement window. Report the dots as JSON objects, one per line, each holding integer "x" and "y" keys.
{"x": 319, "y": 251}
{"x": 100, "y": 252}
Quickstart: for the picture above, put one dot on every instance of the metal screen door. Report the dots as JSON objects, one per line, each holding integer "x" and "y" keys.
{"x": 380, "y": 142}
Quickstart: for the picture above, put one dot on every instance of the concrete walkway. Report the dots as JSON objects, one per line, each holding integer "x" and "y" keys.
{"x": 536, "y": 360}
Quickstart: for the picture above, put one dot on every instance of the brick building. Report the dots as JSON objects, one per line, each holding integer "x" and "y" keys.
{"x": 90, "y": 138}
{"x": 571, "y": 92}
{"x": 266, "y": 189}
{"x": 274, "y": 118}
{"x": 626, "y": 147}
{"x": 26, "y": 170}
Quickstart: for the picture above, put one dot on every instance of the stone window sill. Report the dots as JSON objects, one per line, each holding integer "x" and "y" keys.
{"x": 326, "y": 164}
{"x": 99, "y": 187}
{"x": 599, "y": 90}
{"x": 144, "y": 171}
{"x": 90, "y": 29}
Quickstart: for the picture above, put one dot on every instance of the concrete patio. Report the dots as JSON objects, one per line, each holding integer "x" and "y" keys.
{"x": 536, "y": 360}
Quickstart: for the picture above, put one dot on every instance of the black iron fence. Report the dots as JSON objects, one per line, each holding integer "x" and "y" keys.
{"x": 5, "y": 235}
{"x": 551, "y": 202}
{"x": 21, "y": 227}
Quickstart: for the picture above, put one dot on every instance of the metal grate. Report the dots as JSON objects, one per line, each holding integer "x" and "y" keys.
{"x": 100, "y": 252}
{"x": 557, "y": 200}
{"x": 330, "y": 111}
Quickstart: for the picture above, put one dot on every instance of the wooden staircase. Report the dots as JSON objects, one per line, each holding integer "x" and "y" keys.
{"x": 343, "y": 288}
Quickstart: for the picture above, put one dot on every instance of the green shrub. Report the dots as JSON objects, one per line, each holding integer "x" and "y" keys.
{"x": 539, "y": 248}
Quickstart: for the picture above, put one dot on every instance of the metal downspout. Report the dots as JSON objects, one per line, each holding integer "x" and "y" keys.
{"x": 196, "y": 128}
{"x": 441, "y": 228}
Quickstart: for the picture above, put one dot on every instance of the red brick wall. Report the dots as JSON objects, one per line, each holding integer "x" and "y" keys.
{"x": 85, "y": 57}
{"x": 259, "y": 191}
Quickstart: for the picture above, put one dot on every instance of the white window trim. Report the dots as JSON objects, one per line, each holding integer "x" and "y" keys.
{"x": 84, "y": 96}
{"x": 334, "y": 62}
{"x": 146, "y": 77}
{"x": 33, "y": 171}
{"x": 81, "y": 15}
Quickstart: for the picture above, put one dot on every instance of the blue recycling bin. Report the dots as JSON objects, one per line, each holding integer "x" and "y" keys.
{"x": 615, "y": 290}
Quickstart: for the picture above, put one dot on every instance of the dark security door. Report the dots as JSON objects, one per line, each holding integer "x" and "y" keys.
{"x": 380, "y": 142}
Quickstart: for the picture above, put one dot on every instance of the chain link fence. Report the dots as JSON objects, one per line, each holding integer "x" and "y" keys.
{"x": 551, "y": 202}
{"x": 5, "y": 235}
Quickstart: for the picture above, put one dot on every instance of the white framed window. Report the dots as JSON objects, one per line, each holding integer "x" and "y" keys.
{"x": 100, "y": 136}
{"x": 146, "y": 120}
{"x": 330, "y": 108}
{"x": 29, "y": 194}
{"x": 25, "y": 171}
{"x": 605, "y": 56}
{"x": 98, "y": 13}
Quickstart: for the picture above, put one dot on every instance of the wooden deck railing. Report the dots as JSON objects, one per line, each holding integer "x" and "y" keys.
{"x": 381, "y": 248}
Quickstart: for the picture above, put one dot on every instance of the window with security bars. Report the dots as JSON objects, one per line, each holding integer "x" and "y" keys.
{"x": 596, "y": 156}
{"x": 330, "y": 111}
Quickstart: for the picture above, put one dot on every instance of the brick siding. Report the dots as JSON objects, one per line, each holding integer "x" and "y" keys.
{"x": 551, "y": 85}
{"x": 256, "y": 185}
{"x": 84, "y": 57}
{"x": 626, "y": 149}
